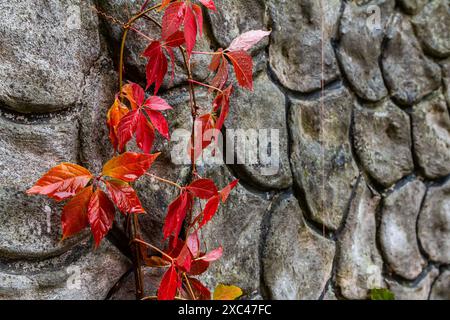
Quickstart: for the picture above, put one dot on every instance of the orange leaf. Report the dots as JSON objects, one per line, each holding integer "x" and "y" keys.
{"x": 74, "y": 216}
{"x": 62, "y": 182}
{"x": 223, "y": 292}
{"x": 117, "y": 111}
{"x": 100, "y": 215}
{"x": 129, "y": 166}
{"x": 124, "y": 196}
{"x": 243, "y": 67}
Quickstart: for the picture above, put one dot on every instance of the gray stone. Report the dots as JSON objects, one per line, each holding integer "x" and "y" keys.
{"x": 297, "y": 40}
{"x": 418, "y": 291}
{"x": 446, "y": 78}
{"x": 30, "y": 225}
{"x": 126, "y": 290}
{"x": 320, "y": 144}
{"x": 135, "y": 63}
{"x": 297, "y": 261}
{"x": 431, "y": 136}
{"x": 262, "y": 109}
{"x": 46, "y": 51}
{"x": 234, "y": 17}
{"x": 432, "y": 26}
{"x": 382, "y": 136}
{"x": 359, "y": 265}
{"x": 408, "y": 80}
{"x": 237, "y": 227}
{"x": 440, "y": 287}
{"x": 361, "y": 34}
{"x": 398, "y": 236}
{"x": 434, "y": 223}
{"x": 329, "y": 293}
{"x": 82, "y": 273}
{"x": 412, "y": 6}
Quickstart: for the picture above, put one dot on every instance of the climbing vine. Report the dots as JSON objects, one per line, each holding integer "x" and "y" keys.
{"x": 92, "y": 199}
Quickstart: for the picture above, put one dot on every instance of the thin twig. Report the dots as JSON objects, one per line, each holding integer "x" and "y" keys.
{"x": 191, "y": 292}
{"x": 152, "y": 247}
{"x": 164, "y": 180}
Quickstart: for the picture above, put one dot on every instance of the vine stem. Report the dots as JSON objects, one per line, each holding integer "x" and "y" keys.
{"x": 164, "y": 180}
{"x": 206, "y": 52}
{"x": 191, "y": 292}
{"x": 137, "y": 257}
{"x": 206, "y": 85}
{"x": 152, "y": 247}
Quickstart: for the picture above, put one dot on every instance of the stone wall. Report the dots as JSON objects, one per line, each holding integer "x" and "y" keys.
{"x": 362, "y": 197}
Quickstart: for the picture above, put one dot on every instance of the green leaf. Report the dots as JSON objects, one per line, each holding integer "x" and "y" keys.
{"x": 381, "y": 294}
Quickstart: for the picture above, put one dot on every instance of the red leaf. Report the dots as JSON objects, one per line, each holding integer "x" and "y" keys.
{"x": 101, "y": 215}
{"x": 198, "y": 267}
{"x": 157, "y": 65}
{"x": 193, "y": 244}
{"x": 222, "y": 102}
{"x": 222, "y": 71}
{"x": 128, "y": 166}
{"x": 247, "y": 40}
{"x": 216, "y": 59}
{"x": 203, "y": 188}
{"x": 199, "y": 17}
{"x": 159, "y": 122}
{"x": 190, "y": 30}
{"x": 124, "y": 196}
{"x": 213, "y": 255}
{"x": 175, "y": 40}
{"x": 176, "y": 213}
{"x": 172, "y": 19}
{"x": 126, "y": 128}
{"x": 157, "y": 104}
{"x": 169, "y": 284}
{"x": 74, "y": 215}
{"x": 184, "y": 259}
{"x": 117, "y": 111}
{"x": 62, "y": 182}
{"x": 225, "y": 192}
{"x": 200, "y": 291}
{"x": 145, "y": 134}
{"x": 134, "y": 94}
{"x": 202, "y": 124}
{"x": 209, "y": 4}
{"x": 210, "y": 210}
{"x": 243, "y": 67}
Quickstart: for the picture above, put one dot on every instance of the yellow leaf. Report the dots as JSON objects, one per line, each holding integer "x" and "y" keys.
{"x": 223, "y": 292}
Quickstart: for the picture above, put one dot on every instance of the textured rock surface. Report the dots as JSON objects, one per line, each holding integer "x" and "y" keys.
{"x": 398, "y": 229}
{"x": 431, "y": 136}
{"x": 58, "y": 68}
{"x": 419, "y": 291}
{"x": 440, "y": 287}
{"x": 320, "y": 144}
{"x": 79, "y": 274}
{"x": 270, "y": 170}
{"x": 446, "y": 73}
{"x": 408, "y": 80}
{"x": 239, "y": 224}
{"x": 239, "y": 17}
{"x": 359, "y": 264}
{"x": 434, "y": 223}
{"x": 45, "y": 56}
{"x": 433, "y": 28}
{"x": 297, "y": 261}
{"x": 296, "y": 42}
{"x": 361, "y": 33}
{"x": 412, "y": 6}
{"x": 383, "y": 141}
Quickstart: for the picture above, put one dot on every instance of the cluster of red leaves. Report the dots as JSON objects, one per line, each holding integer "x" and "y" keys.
{"x": 89, "y": 204}
{"x": 141, "y": 121}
